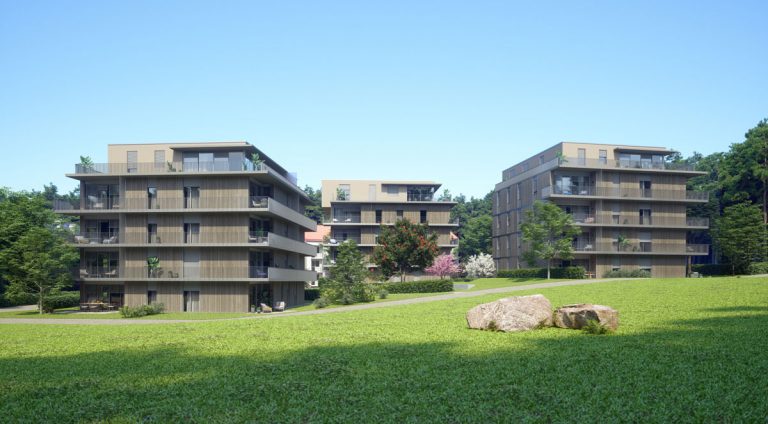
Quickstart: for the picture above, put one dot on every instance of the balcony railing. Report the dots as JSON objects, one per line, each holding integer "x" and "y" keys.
{"x": 258, "y": 272}
{"x": 99, "y": 272}
{"x": 624, "y": 164}
{"x": 338, "y": 239}
{"x": 635, "y": 220}
{"x": 650, "y": 194}
{"x": 639, "y": 247}
{"x": 96, "y": 238}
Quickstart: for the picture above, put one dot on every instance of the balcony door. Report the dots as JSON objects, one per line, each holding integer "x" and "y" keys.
{"x": 191, "y": 263}
{"x": 191, "y": 301}
{"x": 645, "y": 188}
{"x": 191, "y": 197}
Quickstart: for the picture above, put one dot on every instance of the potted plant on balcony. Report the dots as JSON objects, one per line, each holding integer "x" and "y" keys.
{"x": 256, "y": 161}
{"x": 86, "y": 164}
{"x": 623, "y": 242}
{"x": 341, "y": 194}
{"x": 153, "y": 264}
{"x": 171, "y": 168}
{"x": 561, "y": 159}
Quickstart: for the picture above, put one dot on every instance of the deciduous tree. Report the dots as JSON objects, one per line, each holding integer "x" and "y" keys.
{"x": 404, "y": 247}
{"x": 444, "y": 266}
{"x": 740, "y": 234}
{"x": 550, "y": 231}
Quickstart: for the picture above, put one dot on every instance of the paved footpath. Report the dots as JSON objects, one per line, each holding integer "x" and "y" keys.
{"x": 447, "y": 296}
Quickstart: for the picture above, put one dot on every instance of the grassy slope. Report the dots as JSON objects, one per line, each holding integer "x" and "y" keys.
{"x": 687, "y": 350}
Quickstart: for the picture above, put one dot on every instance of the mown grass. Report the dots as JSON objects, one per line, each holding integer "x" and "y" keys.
{"x": 495, "y": 283}
{"x": 72, "y": 313}
{"x": 686, "y": 350}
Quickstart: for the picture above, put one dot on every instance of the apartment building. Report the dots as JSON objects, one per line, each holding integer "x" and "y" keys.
{"x": 356, "y": 210}
{"x": 629, "y": 202}
{"x": 316, "y": 263}
{"x": 195, "y": 226}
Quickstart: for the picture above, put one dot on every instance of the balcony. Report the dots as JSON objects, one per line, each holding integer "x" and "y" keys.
{"x": 588, "y": 246}
{"x": 98, "y": 272}
{"x": 636, "y": 221}
{"x": 98, "y": 238}
{"x": 644, "y": 164}
{"x": 338, "y": 239}
{"x": 624, "y": 193}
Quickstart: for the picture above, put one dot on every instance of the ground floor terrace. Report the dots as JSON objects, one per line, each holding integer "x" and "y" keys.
{"x": 192, "y": 296}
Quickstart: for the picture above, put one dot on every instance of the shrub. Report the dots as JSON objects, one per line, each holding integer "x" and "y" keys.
{"x": 570, "y": 272}
{"x": 321, "y": 302}
{"x": 627, "y": 273}
{"x": 594, "y": 327}
{"x": 758, "y": 268}
{"x": 480, "y": 266}
{"x": 383, "y": 293}
{"x": 423, "y": 286}
{"x": 17, "y": 300}
{"x": 60, "y": 300}
{"x": 712, "y": 269}
{"x": 142, "y": 311}
{"x": 311, "y": 294}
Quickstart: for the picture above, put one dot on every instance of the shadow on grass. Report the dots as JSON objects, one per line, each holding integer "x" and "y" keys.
{"x": 713, "y": 369}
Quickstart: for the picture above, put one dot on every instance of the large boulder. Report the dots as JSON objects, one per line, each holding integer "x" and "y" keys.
{"x": 518, "y": 313}
{"x": 577, "y": 316}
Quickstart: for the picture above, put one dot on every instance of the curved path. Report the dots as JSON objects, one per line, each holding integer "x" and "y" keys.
{"x": 447, "y": 296}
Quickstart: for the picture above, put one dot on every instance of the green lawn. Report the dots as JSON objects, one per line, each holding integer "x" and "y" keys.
{"x": 686, "y": 350}
{"x": 71, "y": 313}
{"x": 495, "y": 283}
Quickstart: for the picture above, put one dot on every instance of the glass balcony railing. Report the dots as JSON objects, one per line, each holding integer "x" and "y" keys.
{"x": 639, "y": 247}
{"x": 624, "y": 164}
{"x": 635, "y": 220}
{"x": 651, "y": 194}
{"x": 111, "y": 237}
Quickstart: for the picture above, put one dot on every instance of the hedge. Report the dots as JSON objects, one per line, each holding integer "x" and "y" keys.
{"x": 570, "y": 272}
{"x": 712, "y": 269}
{"x": 61, "y": 300}
{"x": 758, "y": 268}
{"x": 142, "y": 311}
{"x": 627, "y": 273}
{"x": 25, "y": 299}
{"x": 311, "y": 294}
{"x": 423, "y": 286}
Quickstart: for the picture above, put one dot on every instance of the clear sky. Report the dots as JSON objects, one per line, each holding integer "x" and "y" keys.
{"x": 448, "y": 91}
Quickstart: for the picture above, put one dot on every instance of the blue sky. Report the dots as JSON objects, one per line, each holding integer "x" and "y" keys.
{"x": 448, "y": 91}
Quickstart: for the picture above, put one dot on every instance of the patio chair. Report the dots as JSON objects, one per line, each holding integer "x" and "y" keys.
{"x": 81, "y": 240}
{"x": 280, "y": 306}
{"x": 110, "y": 274}
{"x": 265, "y": 308}
{"x": 84, "y": 273}
{"x": 110, "y": 240}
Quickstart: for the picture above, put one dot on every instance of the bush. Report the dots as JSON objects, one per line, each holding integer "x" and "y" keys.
{"x": 594, "y": 327}
{"x": 713, "y": 269}
{"x": 142, "y": 311}
{"x": 569, "y": 272}
{"x": 423, "y": 286}
{"x": 627, "y": 273}
{"x": 321, "y": 302}
{"x": 758, "y": 268}
{"x": 17, "y": 300}
{"x": 383, "y": 293}
{"x": 60, "y": 300}
{"x": 311, "y": 294}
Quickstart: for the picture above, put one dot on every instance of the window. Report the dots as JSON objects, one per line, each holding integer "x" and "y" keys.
{"x": 518, "y": 195}
{"x": 645, "y": 216}
{"x": 582, "y": 158}
{"x": 192, "y": 233}
{"x": 603, "y": 156}
{"x": 423, "y": 217}
{"x": 152, "y": 198}
{"x": 644, "y": 238}
{"x": 378, "y": 216}
{"x": 191, "y": 301}
{"x": 535, "y": 185}
{"x": 392, "y": 190}
{"x": 645, "y": 264}
{"x": 151, "y": 297}
{"x": 645, "y": 188}
{"x": 399, "y": 213}
{"x": 509, "y": 197}
{"x": 159, "y": 159}
{"x": 132, "y": 157}
{"x": 615, "y": 263}
{"x": 525, "y": 166}
{"x": 191, "y": 197}
{"x": 343, "y": 192}
{"x": 152, "y": 236}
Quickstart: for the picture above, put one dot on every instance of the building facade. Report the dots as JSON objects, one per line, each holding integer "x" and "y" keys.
{"x": 316, "y": 263}
{"x": 630, "y": 203}
{"x": 356, "y": 210}
{"x": 195, "y": 226}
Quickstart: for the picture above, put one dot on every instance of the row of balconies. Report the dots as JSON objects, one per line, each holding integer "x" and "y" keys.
{"x": 636, "y": 220}
{"x": 204, "y": 202}
{"x": 355, "y": 219}
{"x": 271, "y": 273}
{"x": 335, "y": 240}
{"x": 624, "y": 193}
{"x": 175, "y": 167}
{"x": 252, "y": 238}
{"x": 604, "y": 163}
{"x": 589, "y": 246}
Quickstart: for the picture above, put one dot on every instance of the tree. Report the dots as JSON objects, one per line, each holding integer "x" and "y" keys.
{"x": 314, "y": 210}
{"x": 446, "y": 196}
{"x": 39, "y": 262}
{"x": 404, "y": 247}
{"x": 550, "y": 232}
{"x": 347, "y": 280}
{"x": 476, "y": 236}
{"x": 480, "y": 266}
{"x": 740, "y": 234}
{"x": 443, "y": 266}
{"x": 744, "y": 170}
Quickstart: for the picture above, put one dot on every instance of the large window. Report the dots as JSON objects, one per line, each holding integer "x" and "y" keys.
{"x": 151, "y": 297}
{"x": 152, "y": 198}
{"x": 191, "y": 197}
{"x": 191, "y": 301}
{"x": 192, "y": 233}
{"x": 420, "y": 193}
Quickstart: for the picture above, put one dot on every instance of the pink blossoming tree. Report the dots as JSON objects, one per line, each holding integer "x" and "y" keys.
{"x": 443, "y": 266}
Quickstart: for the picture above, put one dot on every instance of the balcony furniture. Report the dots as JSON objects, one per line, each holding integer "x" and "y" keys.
{"x": 83, "y": 307}
{"x": 265, "y": 308}
{"x": 95, "y": 203}
{"x": 280, "y": 307}
{"x": 111, "y": 240}
{"x": 588, "y": 247}
{"x": 81, "y": 240}
{"x": 84, "y": 273}
{"x": 111, "y": 274}
{"x": 589, "y": 220}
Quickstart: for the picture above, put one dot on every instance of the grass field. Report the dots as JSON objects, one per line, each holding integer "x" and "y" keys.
{"x": 495, "y": 283}
{"x": 686, "y": 350}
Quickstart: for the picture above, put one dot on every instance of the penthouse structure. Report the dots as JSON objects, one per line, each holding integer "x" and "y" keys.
{"x": 628, "y": 200}
{"x": 356, "y": 210}
{"x": 213, "y": 227}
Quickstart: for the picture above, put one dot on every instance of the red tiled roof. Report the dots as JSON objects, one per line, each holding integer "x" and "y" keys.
{"x": 317, "y": 236}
